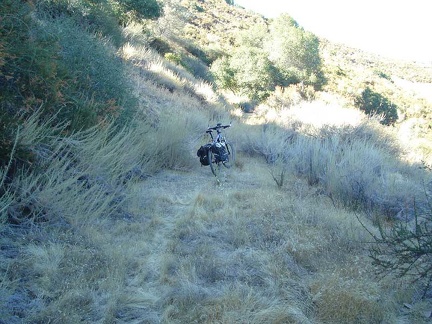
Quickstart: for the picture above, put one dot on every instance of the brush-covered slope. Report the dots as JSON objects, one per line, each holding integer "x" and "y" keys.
{"x": 108, "y": 217}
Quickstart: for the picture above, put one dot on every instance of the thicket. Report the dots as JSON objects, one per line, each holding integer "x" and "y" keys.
{"x": 265, "y": 57}
{"x": 375, "y": 104}
{"x": 59, "y": 58}
{"x": 102, "y": 15}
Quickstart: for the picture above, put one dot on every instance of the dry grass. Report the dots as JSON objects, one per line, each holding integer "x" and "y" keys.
{"x": 177, "y": 246}
{"x": 125, "y": 226}
{"x": 248, "y": 256}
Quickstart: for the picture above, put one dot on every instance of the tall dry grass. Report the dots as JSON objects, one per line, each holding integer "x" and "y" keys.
{"x": 123, "y": 226}
{"x": 358, "y": 166}
{"x": 256, "y": 255}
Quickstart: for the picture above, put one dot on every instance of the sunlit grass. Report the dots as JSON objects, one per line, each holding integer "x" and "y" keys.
{"x": 120, "y": 224}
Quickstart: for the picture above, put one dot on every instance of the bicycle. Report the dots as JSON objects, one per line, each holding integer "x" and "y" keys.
{"x": 218, "y": 151}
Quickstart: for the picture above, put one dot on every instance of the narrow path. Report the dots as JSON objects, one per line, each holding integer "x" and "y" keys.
{"x": 167, "y": 201}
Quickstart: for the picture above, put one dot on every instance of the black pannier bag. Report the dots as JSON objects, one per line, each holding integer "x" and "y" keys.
{"x": 203, "y": 153}
{"x": 220, "y": 152}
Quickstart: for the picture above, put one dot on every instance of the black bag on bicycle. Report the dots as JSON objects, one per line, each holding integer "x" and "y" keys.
{"x": 220, "y": 152}
{"x": 203, "y": 154}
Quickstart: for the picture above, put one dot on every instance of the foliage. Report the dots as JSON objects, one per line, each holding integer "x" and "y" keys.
{"x": 248, "y": 71}
{"x": 254, "y": 36}
{"x": 173, "y": 57}
{"x": 138, "y": 9}
{"x": 102, "y": 15}
{"x": 58, "y": 66}
{"x": 254, "y": 72}
{"x": 294, "y": 52}
{"x": 96, "y": 16}
{"x": 99, "y": 199}
{"x": 224, "y": 74}
{"x": 404, "y": 248}
{"x": 98, "y": 86}
{"x": 285, "y": 55}
{"x": 373, "y": 104}
{"x": 28, "y": 72}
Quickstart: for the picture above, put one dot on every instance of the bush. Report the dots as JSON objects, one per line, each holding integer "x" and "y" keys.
{"x": 374, "y": 104}
{"x": 104, "y": 17}
{"x": 294, "y": 52}
{"x": 403, "y": 249}
{"x": 97, "y": 86}
{"x": 248, "y": 72}
{"x": 50, "y": 63}
{"x": 224, "y": 74}
{"x": 144, "y": 9}
{"x": 29, "y": 68}
{"x": 29, "y": 72}
{"x": 94, "y": 16}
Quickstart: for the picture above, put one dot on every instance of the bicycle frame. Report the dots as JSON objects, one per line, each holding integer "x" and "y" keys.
{"x": 219, "y": 137}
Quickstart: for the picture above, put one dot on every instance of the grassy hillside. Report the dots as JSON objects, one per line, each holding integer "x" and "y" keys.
{"x": 106, "y": 215}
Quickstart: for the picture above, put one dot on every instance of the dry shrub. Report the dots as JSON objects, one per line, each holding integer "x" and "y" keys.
{"x": 286, "y": 97}
{"x": 334, "y": 159}
{"x": 268, "y": 141}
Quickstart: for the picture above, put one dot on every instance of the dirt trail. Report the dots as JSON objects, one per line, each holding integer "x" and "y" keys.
{"x": 167, "y": 202}
{"x": 183, "y": 187}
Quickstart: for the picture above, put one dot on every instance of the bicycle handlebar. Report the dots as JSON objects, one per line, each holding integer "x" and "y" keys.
{"x": 218, "y": 127}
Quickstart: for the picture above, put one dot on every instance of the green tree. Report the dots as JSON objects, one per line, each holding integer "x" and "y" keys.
{"x": 295, "y": 52}
{"x": 254, "y": 72}
{"x": 255, "y": 36}
{"x": 373, "y": 103}
{"x": 224, "y": 74}
{"x": 248, "y": 71}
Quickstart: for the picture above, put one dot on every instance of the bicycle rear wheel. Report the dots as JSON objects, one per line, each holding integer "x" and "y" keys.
{"x": 231, "y": 155}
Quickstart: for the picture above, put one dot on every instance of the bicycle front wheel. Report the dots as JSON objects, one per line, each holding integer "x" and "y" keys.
{"x": 231, "y": 155}
{"x": 212, "y": 162}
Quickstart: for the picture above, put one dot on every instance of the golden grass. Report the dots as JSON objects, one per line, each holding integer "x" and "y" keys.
{"x": 125, "y": 226}
{"x": 177, "y": 246}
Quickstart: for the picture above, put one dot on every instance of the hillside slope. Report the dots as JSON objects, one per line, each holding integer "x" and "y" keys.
{"x": 119, "y": 223}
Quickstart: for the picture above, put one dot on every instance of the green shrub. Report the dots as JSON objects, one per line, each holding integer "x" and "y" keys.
{"x": 29, "y": 73}
{"x": 374, "y": 104}
{"x": 224, "y": 74}
{"x": 173, "y": 57}
{"x": 248, "y": 71}
{"x": 97, "y": 83}
{"x": 53, "y": 63}
{"x": 295, "y": 52}
{"x": 29, "y": 66}
{"x": 95, "y": 16}
{"x": 147, "y": 9}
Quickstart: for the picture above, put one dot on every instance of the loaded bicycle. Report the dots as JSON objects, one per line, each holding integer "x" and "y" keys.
{"x": 218, "y": 151}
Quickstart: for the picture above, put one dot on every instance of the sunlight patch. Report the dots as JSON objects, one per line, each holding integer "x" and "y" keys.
{"x": 320, "y": 114}
{"x": 317, "y": 114}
